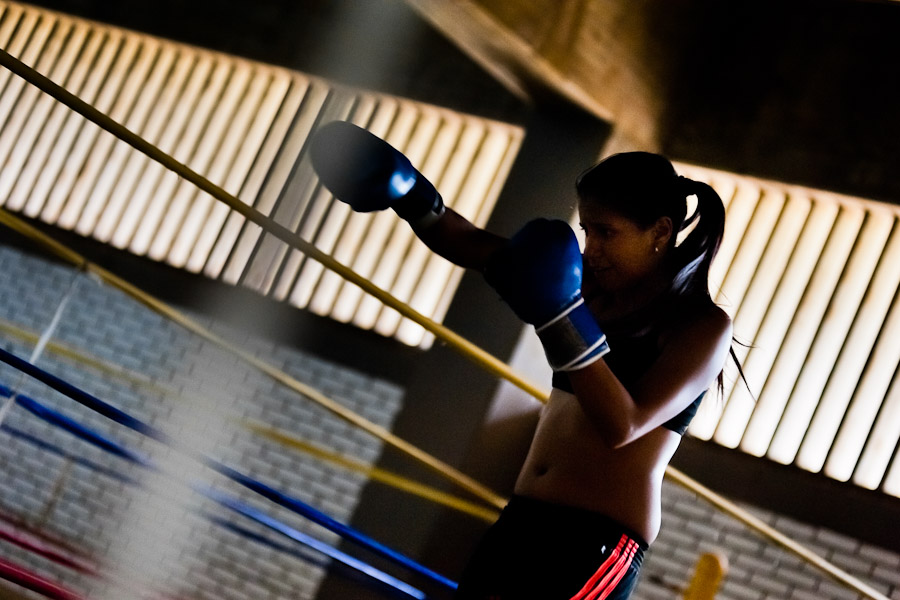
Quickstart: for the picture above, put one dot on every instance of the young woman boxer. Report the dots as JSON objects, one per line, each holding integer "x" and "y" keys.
{"x": 629, "y": 328}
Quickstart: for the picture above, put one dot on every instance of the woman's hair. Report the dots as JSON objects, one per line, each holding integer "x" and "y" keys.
{"x": 644, "y": 187}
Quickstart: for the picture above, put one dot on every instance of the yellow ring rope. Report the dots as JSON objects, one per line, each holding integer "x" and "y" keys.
{"x": 386, "y": 477}
{"x": 466, "y": 348}
{"x": 487, "y": 361}
{"x": 81, "y": 358}
{"x": 454, "y": 475}
{"x": 279, "y": 436}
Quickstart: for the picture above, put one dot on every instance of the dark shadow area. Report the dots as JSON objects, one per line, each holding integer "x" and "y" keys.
{"x": 802, "y": 91}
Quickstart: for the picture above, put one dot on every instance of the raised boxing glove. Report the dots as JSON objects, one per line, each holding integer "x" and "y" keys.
{"x": 369, "y": 174}
{"x": 538, "y": 273}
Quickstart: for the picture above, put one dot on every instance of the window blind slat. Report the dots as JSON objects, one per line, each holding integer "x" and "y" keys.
{"x": 57, "y": 177}
{"x": 38, "y": 174}
{"x": 350, "y": 295}
{"x": 231, "y": 124}
{"x": 342, "y": 233}
{"x": 753, "y": 309}
{"x": 108, "y": 155}
{"x": 405, "y": 252}
{"x": 866, "y": 389}
{"x": 289, "y": 201}
{"x": 774, "y": 344}
{"x": 310, "y": 215}
{"x": 179, "y": 140}
{"x": 286, "y": 142}
{"x": 166, "y": 124}
{"x": 116, "y": 186}
{"x": 385, "y": 226}
{"x": 838, "y": 362}
{"x": 57, "y": 60}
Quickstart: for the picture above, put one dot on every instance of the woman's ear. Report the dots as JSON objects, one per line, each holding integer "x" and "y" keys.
{"x": 663, "y": 231}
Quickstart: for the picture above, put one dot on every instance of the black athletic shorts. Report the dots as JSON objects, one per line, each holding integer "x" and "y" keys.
{"x": 541, "y": 550}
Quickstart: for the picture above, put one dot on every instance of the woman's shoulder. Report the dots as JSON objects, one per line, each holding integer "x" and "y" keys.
{"x": 667, "y": 313}
{"x": 699, "y": 312}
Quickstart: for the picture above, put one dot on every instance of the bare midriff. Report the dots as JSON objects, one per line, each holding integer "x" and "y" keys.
{"x": 570, "y": 464}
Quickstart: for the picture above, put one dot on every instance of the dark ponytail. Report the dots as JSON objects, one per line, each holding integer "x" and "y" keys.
{"x": 696, "y": 252}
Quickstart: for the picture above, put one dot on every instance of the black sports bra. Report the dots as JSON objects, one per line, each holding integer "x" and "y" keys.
{"x": 630, "y": 356}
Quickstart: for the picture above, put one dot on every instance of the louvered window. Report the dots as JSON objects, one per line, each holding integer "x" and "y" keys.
{"x": 811, "y": 281}
{"x": 243, "y": 125}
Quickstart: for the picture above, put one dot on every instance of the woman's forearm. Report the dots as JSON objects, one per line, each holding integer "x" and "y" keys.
{"x": 459, "y": 241}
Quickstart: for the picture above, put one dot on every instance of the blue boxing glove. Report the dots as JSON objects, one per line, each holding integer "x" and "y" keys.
{"x": 538, "y": 273}
{"x": 369, "y": 174}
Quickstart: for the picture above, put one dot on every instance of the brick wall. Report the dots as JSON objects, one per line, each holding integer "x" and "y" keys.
{"x": 758, "y": 569}
{"x": 157, "y": 534}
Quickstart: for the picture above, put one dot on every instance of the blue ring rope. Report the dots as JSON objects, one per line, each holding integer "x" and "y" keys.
{"x": 117, "y": 449}
{"x": 60, "y": 420}
{"x": 79, "y": 460}
{"x": 263, "y": 519}
{"x": 284, "y": 500}
{"x": 284, "y": 548}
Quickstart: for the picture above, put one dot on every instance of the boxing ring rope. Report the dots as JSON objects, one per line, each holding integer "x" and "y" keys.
{"x": 44, "y": 338}
{"x": 284, "y": 500}
{"x": 110, "y": 447}
{"x": 117, "y": 449}
{"x": 81, "y": 358}
{"x": 383, "y": 476}
{"x": 454, "y": 475}
{"x": 274, "y": 434}
{"x": 30, "y": 581}
{"x": 20, "y": 524}
{"x": 45, "y": 551}
{"x": 467, "y": 349}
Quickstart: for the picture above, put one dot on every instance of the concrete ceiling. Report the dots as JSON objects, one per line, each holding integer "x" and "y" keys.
{"x": 803, "y": 91}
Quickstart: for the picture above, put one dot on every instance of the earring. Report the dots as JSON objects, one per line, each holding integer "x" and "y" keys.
{"x": 656, "y": 249}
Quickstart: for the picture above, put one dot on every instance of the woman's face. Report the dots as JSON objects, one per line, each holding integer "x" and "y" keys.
{"x": 619, "y": 254}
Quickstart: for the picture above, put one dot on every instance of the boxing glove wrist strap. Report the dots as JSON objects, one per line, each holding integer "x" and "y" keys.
{"x": 422, "y": 206}
{"x": 572, "y": 340}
